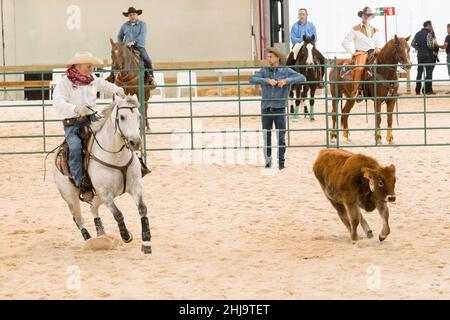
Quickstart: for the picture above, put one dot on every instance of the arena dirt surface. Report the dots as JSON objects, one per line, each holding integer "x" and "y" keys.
{"x": 223, "y": 227}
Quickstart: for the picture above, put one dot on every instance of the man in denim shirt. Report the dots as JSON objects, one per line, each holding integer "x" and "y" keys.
{"x": 275, "y": 82}
{"x": 133, "y": 33}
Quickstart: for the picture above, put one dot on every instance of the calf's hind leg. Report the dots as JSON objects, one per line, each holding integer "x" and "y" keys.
{"x": 353, "y": 214}
{"x": 342, "y": 213}
{"x": 365, "y": 226}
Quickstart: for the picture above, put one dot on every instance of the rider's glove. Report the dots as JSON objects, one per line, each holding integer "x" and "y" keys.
{"x": 121, "y": 93}
{"x": 83, "y": 110}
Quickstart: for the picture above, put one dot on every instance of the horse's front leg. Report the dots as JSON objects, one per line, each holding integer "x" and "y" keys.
{"x": 291, "y": 97}
{"x": 146, "y": 235}
{"x": 298, "y": 100}
{"x": 378, "y": 115}
{"x": 118, "y": 216}
{"x": 97, "y": 220}
{"x": 147, "y": 125}
{"x": 311, "y": 102}
{"x": 345, "y": 113}
{"x": 390, "y": 109}
{"x": 333, "y": 133}
{"x": 304, "y": 96}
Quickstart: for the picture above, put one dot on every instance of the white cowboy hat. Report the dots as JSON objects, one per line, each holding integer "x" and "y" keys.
{"x": 84, "y": 57}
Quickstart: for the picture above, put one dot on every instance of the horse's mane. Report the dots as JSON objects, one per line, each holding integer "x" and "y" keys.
{"x": 131, "y": 61}
{"x": 386, "y": 54}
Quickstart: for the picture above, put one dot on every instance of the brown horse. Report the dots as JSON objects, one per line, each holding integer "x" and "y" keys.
{"x": 395, "y": 51}
{"x": 127, "y": 62}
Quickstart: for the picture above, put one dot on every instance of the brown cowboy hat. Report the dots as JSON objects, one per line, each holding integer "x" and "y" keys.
{"x": 366, "y": 11}
{"x": 132, "y": 10}
{"x": 278, "y": 53}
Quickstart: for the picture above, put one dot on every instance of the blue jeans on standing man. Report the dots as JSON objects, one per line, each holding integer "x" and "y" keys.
{"x": 269, "y": 117}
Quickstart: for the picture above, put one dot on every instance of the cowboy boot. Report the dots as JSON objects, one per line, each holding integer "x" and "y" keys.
{"x": 144, "y": 169}
{"x": 148, "y": 80}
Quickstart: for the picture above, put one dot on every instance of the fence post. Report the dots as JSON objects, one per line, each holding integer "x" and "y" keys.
{"x": 339, "y": 101}
{"x": 141, "y": 93}
{"x": 190, "y": 109}
{"x": 375, "y": 102}
{"x": 239, "y": 106}
{"x": 326, "y": 105}
{"x": 424, "y": 105}
{"x": 43, "y": 111}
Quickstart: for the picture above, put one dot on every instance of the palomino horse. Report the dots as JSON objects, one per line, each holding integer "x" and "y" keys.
{"x": 114, "y": 169}
{"x": 395, "y": 51}
{"x": 308, "y": 59}
{"x": 127, "y": 62}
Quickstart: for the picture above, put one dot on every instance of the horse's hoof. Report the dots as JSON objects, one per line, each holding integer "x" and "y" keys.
{"x": 370, "y": 234}
{"x": 312, "y": 119}
{"x": 346, "y": 135}
{"x": 147, "y": 249}
{"x": 130, "y": 238}
{"x": 381, "y": 238}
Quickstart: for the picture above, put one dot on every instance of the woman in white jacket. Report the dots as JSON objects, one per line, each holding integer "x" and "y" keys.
{"x": 74, "y": 99}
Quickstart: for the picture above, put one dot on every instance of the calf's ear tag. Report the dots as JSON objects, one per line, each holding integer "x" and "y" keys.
{"x": 371, "y": 185}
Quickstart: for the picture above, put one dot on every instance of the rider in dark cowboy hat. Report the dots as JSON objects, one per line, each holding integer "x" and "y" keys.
{"x": 133, "y": 33}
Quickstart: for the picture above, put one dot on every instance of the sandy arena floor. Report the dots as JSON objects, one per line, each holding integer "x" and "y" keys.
{"x": 223, "y": 227}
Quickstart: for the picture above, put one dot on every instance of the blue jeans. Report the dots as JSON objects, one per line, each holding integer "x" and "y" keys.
{"x": 76, "y": 148}
{"x": 146, "y": 58}
{"x": 277, "y": 116}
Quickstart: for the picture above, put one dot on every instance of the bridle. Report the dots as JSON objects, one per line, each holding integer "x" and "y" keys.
{"x": 312, "y": 67}
{"x": 123, "y": 79}
{"x": 398, "y": 48}
{"x": 116, "y": 126}
{"x": 123, "y": 169}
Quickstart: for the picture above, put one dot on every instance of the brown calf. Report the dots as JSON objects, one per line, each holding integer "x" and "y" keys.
{"x": 353, "y": 181}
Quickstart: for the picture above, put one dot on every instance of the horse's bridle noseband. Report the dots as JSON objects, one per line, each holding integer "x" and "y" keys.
{"x": 117, "y": 125}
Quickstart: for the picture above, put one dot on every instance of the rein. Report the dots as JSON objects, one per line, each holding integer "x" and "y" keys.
{"x": 123, "y": 169}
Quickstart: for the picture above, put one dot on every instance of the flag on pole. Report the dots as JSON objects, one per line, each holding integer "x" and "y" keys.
{"x": 389, "y": 11}
{"x": 379, "y": 11}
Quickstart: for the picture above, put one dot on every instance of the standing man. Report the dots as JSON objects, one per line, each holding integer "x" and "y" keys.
{"x": 424, "y": 43}
{"x": 133, "y": 33}
{"x": 446, "y": 47}
{"x": 359, "y": 42}
{"x": 275, "y": 82}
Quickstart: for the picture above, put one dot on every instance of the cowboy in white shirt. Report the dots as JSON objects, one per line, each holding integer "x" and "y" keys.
{"x": 361, "y": 39}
